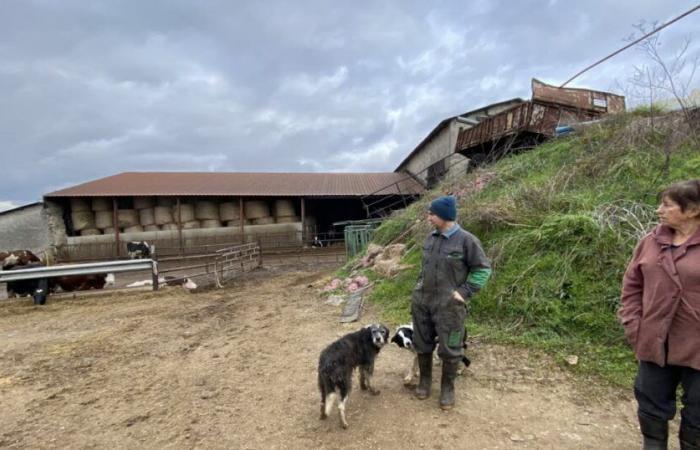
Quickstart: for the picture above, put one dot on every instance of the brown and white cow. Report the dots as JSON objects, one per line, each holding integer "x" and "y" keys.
{"x": 17, "y": 258}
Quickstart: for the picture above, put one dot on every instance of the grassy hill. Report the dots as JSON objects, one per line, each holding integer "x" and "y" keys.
{"x": 560, "y": 223}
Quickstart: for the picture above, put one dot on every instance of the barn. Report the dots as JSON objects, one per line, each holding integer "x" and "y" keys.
{"x": 191, "y": 212}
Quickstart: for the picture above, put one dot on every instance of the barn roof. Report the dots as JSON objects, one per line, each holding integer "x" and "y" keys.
{"x": 243, "y": 184}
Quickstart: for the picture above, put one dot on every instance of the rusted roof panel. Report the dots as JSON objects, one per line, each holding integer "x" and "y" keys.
{"x": 599, "y": 101}
{"x": 243, "y": 184}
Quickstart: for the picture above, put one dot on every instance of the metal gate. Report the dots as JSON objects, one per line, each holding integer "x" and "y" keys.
{"x": 357, "y": 237}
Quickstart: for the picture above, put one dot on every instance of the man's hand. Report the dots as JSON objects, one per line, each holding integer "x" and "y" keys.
{"x": 456, "y": 296}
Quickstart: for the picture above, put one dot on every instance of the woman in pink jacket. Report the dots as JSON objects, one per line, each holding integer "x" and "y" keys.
{"x": 660, "y": 313}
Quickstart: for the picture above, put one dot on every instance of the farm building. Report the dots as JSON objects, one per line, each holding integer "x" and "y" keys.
{"x": 434, "y": 158}
{"x": 30, "y": 227}
{"x": 181, "y": 211}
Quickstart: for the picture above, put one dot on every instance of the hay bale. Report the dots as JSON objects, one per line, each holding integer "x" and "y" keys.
{"x": 233, "y": 223}
{"x": 101, "y": 204}
{"x": 284, "y": 208}
{"x": 256, "y": 209}
{"x": 168, "y": 226}
{"x": 211, "y": 223}
{"x": 127, "y": 218}
{"x": 206, "y": 210}
{"x": 186, "y": 213}
{"x": 147, "y": 216}
{"x": 229, "y": 211}
{"x": 143, "y": 202}
{"x": 288, "y": 219}
{"x": 108, "y": 230}
{"x": 82, "y": 220}
{"x": 190, "y": 224}
{"x": 166, "y": 201}
{"x": 133, "y": 229}
{"x": 162, "y": 215}
{"x": 104, "y": 219}
{"x": 79, "y": 204}
{"x": 151, "y": 228}
{"x": 264, "y": 221}
{"x": 90, "y": 232}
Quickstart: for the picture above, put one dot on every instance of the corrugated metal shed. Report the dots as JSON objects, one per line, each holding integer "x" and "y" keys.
{"x": 244, "y": 184}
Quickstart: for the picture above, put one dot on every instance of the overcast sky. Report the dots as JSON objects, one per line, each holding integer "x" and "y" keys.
{"x": 92, "y": 88}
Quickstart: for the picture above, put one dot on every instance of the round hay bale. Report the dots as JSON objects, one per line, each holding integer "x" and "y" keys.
{"x": 133, "y": 229}
{"x": 108, "y": 230}
{"x": 264, "y": 221}
{"x": 166, "y": 201}
{"x": 206, "y": 210}
{"x": 284, "y": 208}
{"x": 83, "y": 220}
{"x": 229, "y": 211}
{"x": 211, "y": 223}
{"x": 256, "y": 209}
{"x": 104, "y": 219}
{"x": 101, "y": 204}
{"x": 143, "y": 202}
{"x": 79, "y": 204}
{"x": 90, "y": 232}
{"x": 186, "y": 213}
{"x": 163, "y": 215}
{"x": 168, "y": 226}
{"x": 233, "y": 223}
{"x": 288, "y": 219}
{"x": 151, "y": 228}
{"x": 127, "y": 218}
{"x": 147, "y": 216}
{"x": 190, "y": 224}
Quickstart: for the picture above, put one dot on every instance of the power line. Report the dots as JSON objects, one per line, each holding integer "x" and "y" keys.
{"x": 655, "y": 30}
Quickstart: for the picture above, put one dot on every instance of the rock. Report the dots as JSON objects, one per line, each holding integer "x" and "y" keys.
{"x": 572, "y": 360}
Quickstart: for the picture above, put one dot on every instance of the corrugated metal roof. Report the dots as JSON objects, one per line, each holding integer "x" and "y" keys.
{"x": 243, "y": 184}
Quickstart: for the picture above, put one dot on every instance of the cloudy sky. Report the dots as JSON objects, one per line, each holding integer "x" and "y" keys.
{"x": 92, "y": 88}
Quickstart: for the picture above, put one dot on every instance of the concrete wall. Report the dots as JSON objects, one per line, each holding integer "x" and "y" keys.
{"x": 24, "y": 229}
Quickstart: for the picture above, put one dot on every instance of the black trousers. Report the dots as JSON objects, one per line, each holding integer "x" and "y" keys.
{"x": 655, "y": 390}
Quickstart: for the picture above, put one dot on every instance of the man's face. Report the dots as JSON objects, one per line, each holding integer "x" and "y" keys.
{"x": 436, "y": 221}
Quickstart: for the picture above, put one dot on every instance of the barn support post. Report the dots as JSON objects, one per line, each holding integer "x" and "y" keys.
{"x": 303, "y": 222}
{"x": 115, "y": 225}
{"x": 179, "y": 226}
{"x": 241, "y": 215}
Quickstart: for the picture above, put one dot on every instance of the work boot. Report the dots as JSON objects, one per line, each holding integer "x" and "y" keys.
{"x": 689, "y": 436}
{"x": 654, "y": 432}
{"x": 447, "y": 383}
{"x": 425, "y": 365}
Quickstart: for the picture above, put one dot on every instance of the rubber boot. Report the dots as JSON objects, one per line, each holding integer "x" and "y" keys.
{"x": 689, "y": 437}
{"x": 425, "y": 365}
{"x": 447, "y": 383}
{"x": 654, "y": 432}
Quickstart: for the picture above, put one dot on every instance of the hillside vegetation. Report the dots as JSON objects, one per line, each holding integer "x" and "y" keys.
{"x": 560, "y": 223}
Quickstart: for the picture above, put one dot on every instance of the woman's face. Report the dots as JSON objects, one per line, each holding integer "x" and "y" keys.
{"x": 670, "y": 214}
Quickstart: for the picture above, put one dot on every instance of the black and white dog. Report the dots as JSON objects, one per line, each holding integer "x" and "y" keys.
{"x": 338, "y": 361}
{"x": 404, "y": 339}
{"x": 140, "y": 249}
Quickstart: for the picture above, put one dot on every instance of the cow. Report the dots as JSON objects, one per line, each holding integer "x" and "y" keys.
{"x": 37, "y": 288}
{"x": 17, "y": 258}
{"x": 70, "y": 283}
{"x": 317, "y": 243}
{"x": 140, "y": 249}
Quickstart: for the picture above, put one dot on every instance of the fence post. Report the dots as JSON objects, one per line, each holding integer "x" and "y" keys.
{"x": 154, "y": 275}
{"x": 115, "y": 225}
{"x": 260, "y": 254}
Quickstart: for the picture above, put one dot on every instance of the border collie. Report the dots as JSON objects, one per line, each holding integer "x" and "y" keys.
{"x": 338, "y": 361}
{"x": 404, "y": 339}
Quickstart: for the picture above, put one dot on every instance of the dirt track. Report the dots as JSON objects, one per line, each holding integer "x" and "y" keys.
{"x": 236, "y": 368}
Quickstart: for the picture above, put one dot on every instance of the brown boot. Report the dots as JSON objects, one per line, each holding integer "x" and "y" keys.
{"x": 425, "y": 365}
{"x": 447, "y": 384}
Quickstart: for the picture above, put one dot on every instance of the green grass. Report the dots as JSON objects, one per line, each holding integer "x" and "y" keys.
{"x": 559, "y": 223}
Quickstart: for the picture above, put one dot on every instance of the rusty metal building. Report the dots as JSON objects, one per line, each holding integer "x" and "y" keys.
{"x": 207, "y": 208}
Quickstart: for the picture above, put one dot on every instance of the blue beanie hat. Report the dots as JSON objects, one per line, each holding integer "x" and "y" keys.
{"x": 444, "y": 207}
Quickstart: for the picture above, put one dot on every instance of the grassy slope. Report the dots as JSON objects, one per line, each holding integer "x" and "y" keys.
{"x": 559, "y": 223}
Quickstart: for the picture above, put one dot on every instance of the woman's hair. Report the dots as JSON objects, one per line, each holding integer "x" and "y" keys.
{"x": 685, "y": 193}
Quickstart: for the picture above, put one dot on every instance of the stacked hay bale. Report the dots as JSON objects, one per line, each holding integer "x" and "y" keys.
{"x": 257, "y": 212}
{"x": 230, "y": 213}
{"x": 103, "y": 214}
{"x": 207, "y": 212}
{"x": 186, "y": 216}
{"x": 82, "y": 217}
{"x": 284, "y": 212}
{"x": 145, "y": 211}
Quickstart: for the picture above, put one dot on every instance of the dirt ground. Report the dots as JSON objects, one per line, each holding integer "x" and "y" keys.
{"x": 236, "y": 368}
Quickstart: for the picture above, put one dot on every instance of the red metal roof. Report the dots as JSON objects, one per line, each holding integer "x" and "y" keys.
{"x": 243, "y": 184}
